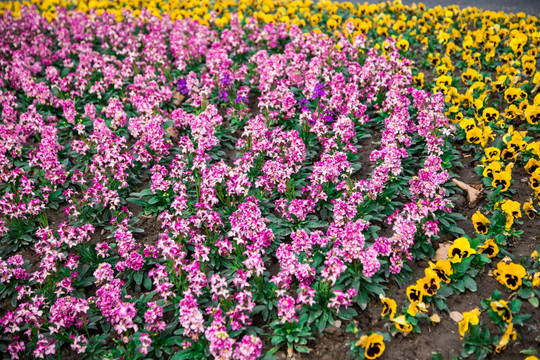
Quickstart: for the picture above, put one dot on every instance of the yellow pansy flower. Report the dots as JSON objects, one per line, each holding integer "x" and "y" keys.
{"x": 443, "y": 269}
{"x": 389, "y": 307}
{"x": 508, "y": 334}
{"x": 489, "y": 248}
{"x": 510, "y": 275}
{"x": 480, "y": 222}
{"x": 402, "y": 324}
{"x": 469, "y": 318}
{"x": 529, "y": 209}
{"x": 461, "y": 248}
{"x": 374, "y": 345}
{"x": 502, "y": 309}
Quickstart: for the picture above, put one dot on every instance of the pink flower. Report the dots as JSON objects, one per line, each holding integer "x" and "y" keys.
{"x": 146, "y": 341}
{"x": 286, "y": 309}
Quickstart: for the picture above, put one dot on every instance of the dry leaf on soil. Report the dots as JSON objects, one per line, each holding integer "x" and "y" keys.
{"x": 178, "y": 98}
{"x": 472, "y": 191}
{"x": 442, "y": 251}
{"x": 456, "y": 316}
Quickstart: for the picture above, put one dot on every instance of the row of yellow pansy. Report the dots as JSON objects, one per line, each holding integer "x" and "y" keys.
{"x": 510, "y": 275}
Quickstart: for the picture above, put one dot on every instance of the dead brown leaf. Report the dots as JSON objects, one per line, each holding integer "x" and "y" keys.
{"x": 456, "y": 316}
{"x": 473, "y": 192}
{"x": 172, "y": 132}
{"x": 442, "y": 251}
{"x": 178, "y": 98}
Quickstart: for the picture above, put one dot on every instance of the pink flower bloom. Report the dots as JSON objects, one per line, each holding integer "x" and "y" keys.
{"x": 286, "y": 309}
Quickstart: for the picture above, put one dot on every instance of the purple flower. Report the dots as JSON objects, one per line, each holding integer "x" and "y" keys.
{"x": 318, "y": 91}
{"x": 182, "y": 86}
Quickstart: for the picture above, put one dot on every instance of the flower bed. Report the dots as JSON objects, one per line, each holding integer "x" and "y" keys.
{"x": 229, "y": 185}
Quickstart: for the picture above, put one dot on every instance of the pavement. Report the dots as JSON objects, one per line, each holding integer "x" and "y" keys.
{"x": 531, "y": 7}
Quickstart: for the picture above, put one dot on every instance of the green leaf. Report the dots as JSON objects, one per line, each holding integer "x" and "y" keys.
{"x": 534, "y": 301}
{"x": 145, "y": 192}
{"x": 520, "y": 319}
{"x": 136, "y": 201}
{"x": 183, "y": 355}
{"x": 445, "y": 291}
{"x": 147, "y": 283}
{"x": 460, "y": 285}
{"x": 315, "y": 224}
{"x": 525, "y": 293}
{"x": 277, "y": 340}
{"x": 87, "y": 281}
{"x": 322, "y": 322}
{"x": 441, "y": 304}
{"x": 138, "y": 277}
{"x": 347, "y": 314}
{"x": 301, "y": 349}
{"x": 291, "y": 339}
{"x": 363, "y": 299}
{"x": 270, "y": 354}
{"x": 481, "y": 353}
{"x": 470, "y": 284}
{"x": 529, "y": 351}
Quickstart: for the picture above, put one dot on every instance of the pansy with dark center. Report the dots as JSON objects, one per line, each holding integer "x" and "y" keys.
{"x": 373, "y": 350}
{"x": 443, "y": 269}
{"x": 460, "y": 249}
{"x": 502, "y": 309}
{"x": 489, "y": 248}
{"x": 373, "y": 345}
{"x": 430, "y": 283}
{"x": 529, "y": 209}
{"x": 510, "y": 275}
{"x": 389, "y": 307}
{"x": 414, "y": 293}
{"x": 480, "y": 222}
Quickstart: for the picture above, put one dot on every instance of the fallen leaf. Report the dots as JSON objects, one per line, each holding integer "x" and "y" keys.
{"x": 442, "y": 251}
{"x": 435, "y": 319}
{"x": 456, "y": 316}
{"x": 178, "y": 98}
{"x": 172, "y": 132}
{"x": 472, "y": 191}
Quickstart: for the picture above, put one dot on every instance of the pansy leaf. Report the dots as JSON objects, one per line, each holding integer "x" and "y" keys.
{"x": 521, "y": 318}
{"x": 460, "y": 285}
{"x": 470, "y": 284}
